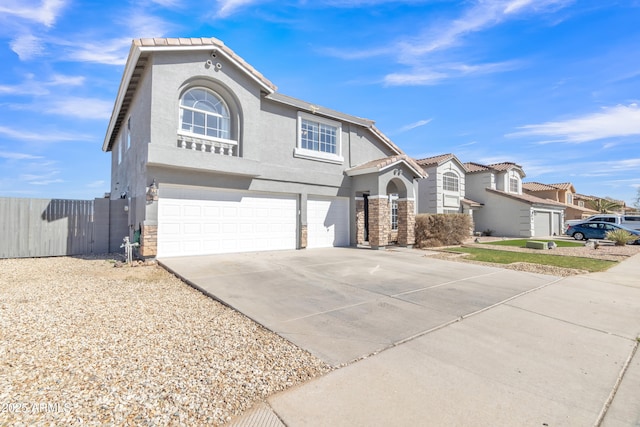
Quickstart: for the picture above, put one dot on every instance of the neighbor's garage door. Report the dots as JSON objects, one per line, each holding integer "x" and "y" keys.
{"x": 557, "y": 223}
{"x": 199, "y": 221}
{"x": 327, "y": 222}
{"x": 542, "y": 223}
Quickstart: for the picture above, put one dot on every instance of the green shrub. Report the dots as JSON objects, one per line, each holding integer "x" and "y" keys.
{"x": 619, "y": 237}
{"x": 442, "y": 229}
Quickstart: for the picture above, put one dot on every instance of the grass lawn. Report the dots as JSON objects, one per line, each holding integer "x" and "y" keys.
{"x": 504, "y": 257}
{"x": 521, "y": 243}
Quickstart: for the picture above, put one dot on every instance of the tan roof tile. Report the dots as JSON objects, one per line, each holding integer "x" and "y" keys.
{"x": 537, "y": 186}
{"x": 435, "y": 160}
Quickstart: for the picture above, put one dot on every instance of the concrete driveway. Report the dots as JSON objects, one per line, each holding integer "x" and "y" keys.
{"x": 343, "y": 304}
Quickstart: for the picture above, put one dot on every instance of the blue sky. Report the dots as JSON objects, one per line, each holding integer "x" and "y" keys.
{"x": 553, "y": 85}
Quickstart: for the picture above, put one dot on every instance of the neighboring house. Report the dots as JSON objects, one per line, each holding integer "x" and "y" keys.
{"x": 506, "y": 210}
{"x": 443, "y": 190}
{"x": 212, "y": 159}
{"x": 582, "y": 200}
{"x": 563, "y": 193}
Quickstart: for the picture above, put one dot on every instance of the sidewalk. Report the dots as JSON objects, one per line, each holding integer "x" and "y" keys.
{"x": 563, "y": 355}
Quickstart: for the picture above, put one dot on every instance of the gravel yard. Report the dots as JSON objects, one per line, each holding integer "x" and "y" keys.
{"x": 84, "y": 343}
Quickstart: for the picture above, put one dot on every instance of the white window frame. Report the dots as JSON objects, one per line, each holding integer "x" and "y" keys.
{"x": 514, "y": 178}
{"x": 393, "y": 215}
{"x": 182, "y": 108}
{"x": 305, "y": 153}
{"x": 451, "y": 174}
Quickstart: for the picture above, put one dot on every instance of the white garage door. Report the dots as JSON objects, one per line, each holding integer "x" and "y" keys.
{"x": 198, "y": 221}
{"x": 542, "y": 223}
{"x": 327, "y": 222}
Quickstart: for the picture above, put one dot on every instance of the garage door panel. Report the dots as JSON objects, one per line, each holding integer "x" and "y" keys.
{"x": 542, "y": 223}
{"x": 217, "y": 221}
{"x": 327, "y": 222}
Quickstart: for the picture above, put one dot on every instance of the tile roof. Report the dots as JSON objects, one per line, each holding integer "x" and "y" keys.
{"x": 528, "y": 198}
{"x": 435, "y": 160}
{"x": 583, "y": 197}
{"x": 504, "y": 166}
{"x": 381, "y": 164}
{"x": 537, "y": 186}
{"x": 475, "y": 167}
{"x": 200, "y": 43}
{"x": 472, "y": 167}
{"x": 471, "y": 203}
{"x": 563, "y": 186}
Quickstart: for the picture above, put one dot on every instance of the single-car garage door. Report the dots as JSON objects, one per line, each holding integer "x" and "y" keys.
{"x": 202, "y": 221}
{"x": 327, "y": 222}
{"x": 542, "y": 223}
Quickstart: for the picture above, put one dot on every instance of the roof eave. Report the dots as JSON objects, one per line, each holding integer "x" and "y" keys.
{"x": 132, "y": 61}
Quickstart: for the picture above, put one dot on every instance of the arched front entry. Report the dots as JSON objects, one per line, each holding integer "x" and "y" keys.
{"x": 385, "y": 205}
{"x": 388, "y": 217}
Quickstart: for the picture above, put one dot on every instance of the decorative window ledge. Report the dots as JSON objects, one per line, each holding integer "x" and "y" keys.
{"x": 318, "y": 156}
{"x": 208, "y": 145}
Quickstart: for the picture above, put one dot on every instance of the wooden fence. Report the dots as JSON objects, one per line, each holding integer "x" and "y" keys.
{"x": 57, "y": 227}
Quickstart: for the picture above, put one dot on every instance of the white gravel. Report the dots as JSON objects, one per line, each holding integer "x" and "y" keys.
{"x": 84, "y": 343}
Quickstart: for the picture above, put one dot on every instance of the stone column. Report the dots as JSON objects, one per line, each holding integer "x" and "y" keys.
{"x": 406, "y": 222}
{"x": 303, "y": 237}
{"x": 360, "y": 225}
{"x": 379, "y": 221}
{"x": 149, "y": 241}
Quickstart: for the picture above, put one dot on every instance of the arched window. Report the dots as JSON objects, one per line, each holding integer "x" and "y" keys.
{"x": 202, "y": 112}
{"x": 450, "y": 182}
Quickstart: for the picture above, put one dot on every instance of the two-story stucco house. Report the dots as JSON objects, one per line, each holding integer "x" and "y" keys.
{"x": 212, "y": 159}
{"x": 443, "y": 189}
{"x": 507, "y": 211}
{"x": 564, "y": 193}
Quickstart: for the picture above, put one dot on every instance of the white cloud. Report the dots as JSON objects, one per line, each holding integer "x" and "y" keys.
{"x": 109, "y": 52}
{"x": 18, "y": 156}
{"x": 425, "y": 76}
{"x": 46, "y": 181}
{"x": 618, "y": 121}
{"x": 85, "y": 108}
{"x": 41, "y": 136}
{"x": 34, "y": 86}
{"x": 483, "y": 15}
{"x": 229, "y": 7}
{"x": 45, "y": 13}
{"x": 27, "y": 47}
{"x": 417, "y": 124}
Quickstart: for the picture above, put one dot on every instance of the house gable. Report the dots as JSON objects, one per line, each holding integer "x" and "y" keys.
{"x": 443, "y": 191}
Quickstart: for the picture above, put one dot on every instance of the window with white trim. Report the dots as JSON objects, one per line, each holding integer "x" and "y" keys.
{"x": 393, "y": 199}
{"x": 513, "y": 185}
{"x": 204, "y": 113}
{"x": 569, "y": 198}
{"x": 319, "y": 138}
{"x": 450, "y": 182}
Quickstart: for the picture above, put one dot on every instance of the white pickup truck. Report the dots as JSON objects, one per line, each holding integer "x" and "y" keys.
{"x": 631, "y": 221}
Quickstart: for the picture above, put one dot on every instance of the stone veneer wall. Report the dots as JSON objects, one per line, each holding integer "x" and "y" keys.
{"x": 360, "y": 225}
{"x": 303, "y": 236}
{"x": 149, "y": 241}
{"x": 406, "y": 223}
{"x": 379, "y": 221}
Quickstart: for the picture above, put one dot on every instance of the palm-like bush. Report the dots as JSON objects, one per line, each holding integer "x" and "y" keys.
{"x": 619, "y": 237}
